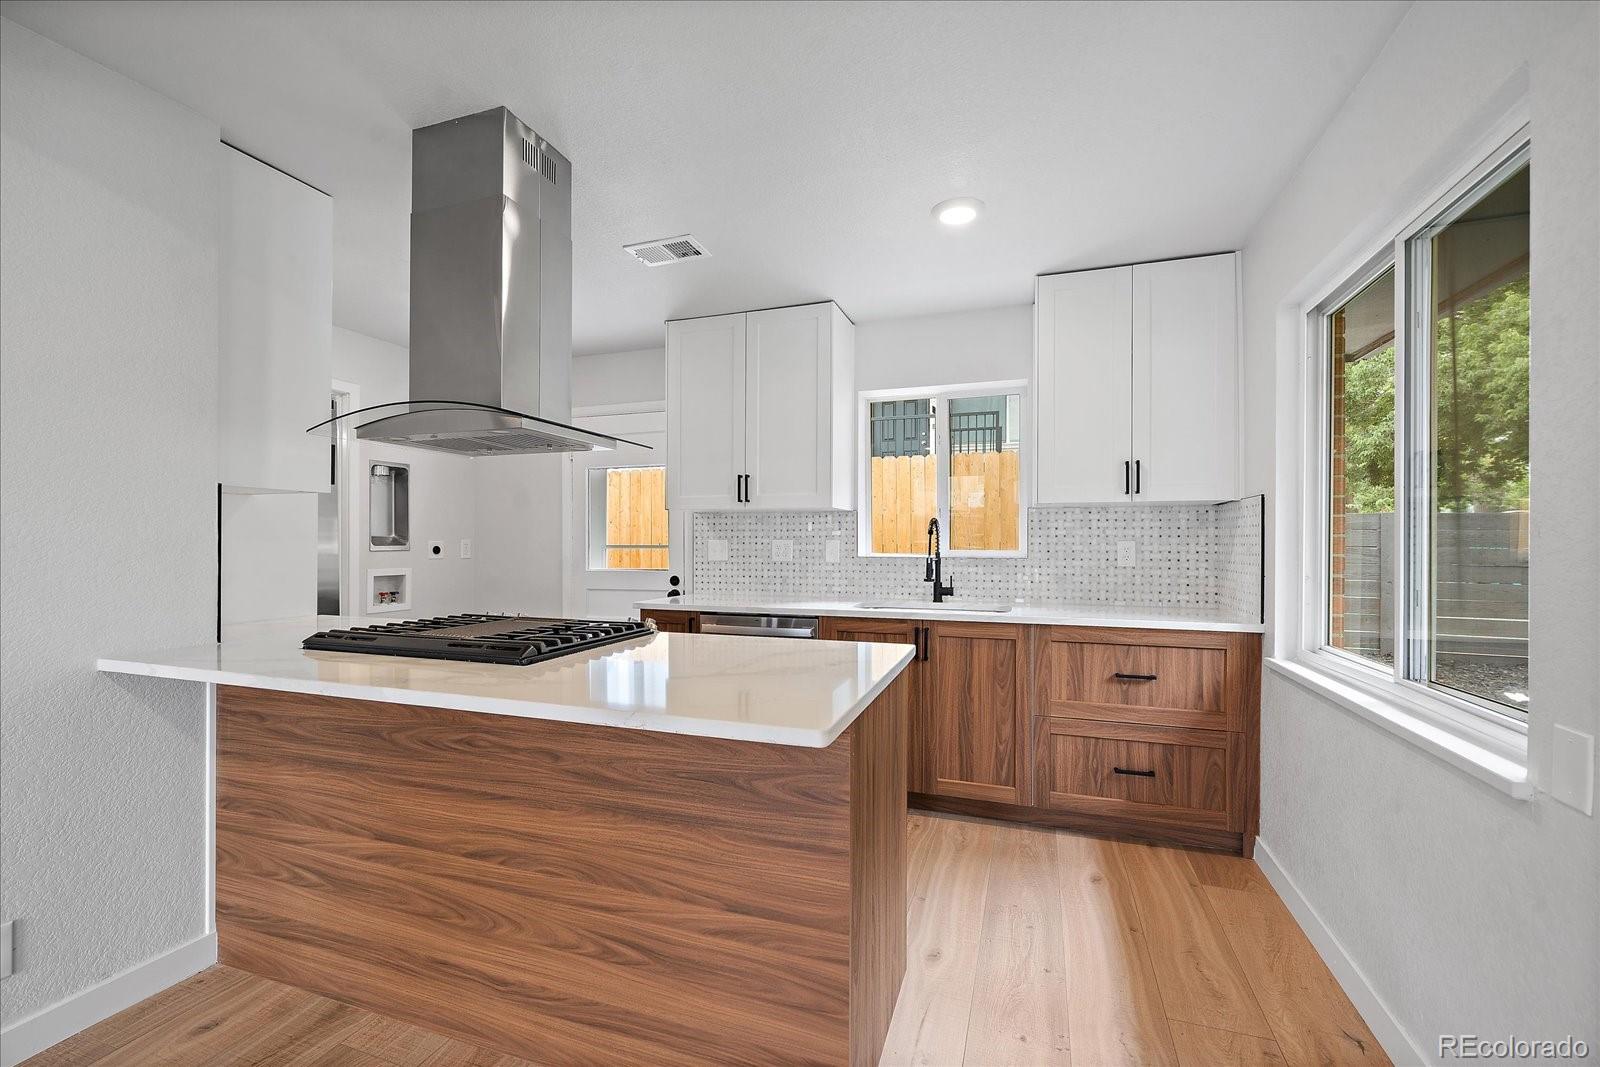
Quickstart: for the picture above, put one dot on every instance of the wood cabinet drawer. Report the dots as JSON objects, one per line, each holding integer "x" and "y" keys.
{"x": 1164, "y": 679}
{"x": 1177, "y": 774}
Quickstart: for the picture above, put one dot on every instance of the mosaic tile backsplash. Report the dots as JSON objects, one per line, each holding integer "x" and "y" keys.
{"x": 1202, "y": 556}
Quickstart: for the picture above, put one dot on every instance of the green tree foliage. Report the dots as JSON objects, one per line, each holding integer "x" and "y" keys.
{"x": 1480, "y": 388}
{"x": 1480, "y": 414}
{"x": 1369, "y": 433}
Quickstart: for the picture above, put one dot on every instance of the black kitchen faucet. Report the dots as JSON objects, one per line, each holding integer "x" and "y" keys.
{"x": 940, "y": 589}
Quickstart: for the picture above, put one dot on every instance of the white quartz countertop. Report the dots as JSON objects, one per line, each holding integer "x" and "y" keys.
{"x": 771, "y": 690}
{"x": 1034, "y": 612}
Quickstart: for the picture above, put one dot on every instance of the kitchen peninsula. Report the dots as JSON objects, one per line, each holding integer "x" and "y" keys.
{"x": 668, "y": 850}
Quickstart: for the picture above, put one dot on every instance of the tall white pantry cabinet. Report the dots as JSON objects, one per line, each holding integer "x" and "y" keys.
{"x": 1137, "y": 379}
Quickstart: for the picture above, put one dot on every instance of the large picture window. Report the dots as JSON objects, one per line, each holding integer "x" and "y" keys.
{"x": 1424, "y": 440}
{"x": 950, "y": 454}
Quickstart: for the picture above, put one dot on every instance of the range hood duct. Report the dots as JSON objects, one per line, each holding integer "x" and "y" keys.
{"x": 491, "y": 297}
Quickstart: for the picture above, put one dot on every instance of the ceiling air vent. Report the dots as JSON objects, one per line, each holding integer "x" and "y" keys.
{"x": 667, "y": 250}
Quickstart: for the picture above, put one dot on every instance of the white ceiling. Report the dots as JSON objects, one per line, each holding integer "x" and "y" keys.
{"x": 804, "y": 143}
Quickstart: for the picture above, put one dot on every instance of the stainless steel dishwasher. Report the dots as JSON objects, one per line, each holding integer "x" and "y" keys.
{"x": 759, "y": 625}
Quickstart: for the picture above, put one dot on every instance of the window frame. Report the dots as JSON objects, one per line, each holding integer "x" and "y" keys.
{"x": 1499, "y": 729}
{"x": 941, "y": 395}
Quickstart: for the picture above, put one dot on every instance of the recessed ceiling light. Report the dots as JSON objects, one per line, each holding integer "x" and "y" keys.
{"x": 957, "y": 212}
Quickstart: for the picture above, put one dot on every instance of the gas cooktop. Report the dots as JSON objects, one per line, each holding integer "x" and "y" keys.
{"x": 515, "y": 639}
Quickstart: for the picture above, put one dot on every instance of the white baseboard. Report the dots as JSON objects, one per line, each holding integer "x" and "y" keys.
{"x": 61, "y": 1020}
{"x": 1384, "y": 1026}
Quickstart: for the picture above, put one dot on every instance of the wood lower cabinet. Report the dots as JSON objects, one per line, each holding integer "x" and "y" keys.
{"x": 1149, "y": 734}
{"x": 672, "y": 622}
{"x": 1155, "y": 729}
{"x": 899, "y": 632}
{"x": 975, "y": 734}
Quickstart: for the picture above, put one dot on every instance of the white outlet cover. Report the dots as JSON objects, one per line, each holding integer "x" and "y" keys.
{"x": 1127, "y": 554}
{"x": 782, "y": 551}
{"x": 1572, "y": 768}
{"x": 5, "y": 948}
{"x": 717, "y": 551}
{"x": 436, "y": 550}
{"x": 466, "y": 548}
{"x": 833, "y": 551}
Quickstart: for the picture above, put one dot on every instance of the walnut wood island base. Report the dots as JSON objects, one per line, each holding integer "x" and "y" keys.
{"x": 564, "y": 892}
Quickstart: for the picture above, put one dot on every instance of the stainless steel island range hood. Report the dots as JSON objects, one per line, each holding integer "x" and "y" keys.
{"x": 491, "y": 297}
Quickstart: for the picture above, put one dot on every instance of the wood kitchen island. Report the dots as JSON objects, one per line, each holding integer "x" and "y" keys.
{"x": 597, "y": 877}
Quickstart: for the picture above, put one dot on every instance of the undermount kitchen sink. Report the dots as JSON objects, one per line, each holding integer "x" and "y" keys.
{"x": 992, "y": 607}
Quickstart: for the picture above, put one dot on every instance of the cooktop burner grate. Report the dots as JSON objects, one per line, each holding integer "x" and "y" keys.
{"x": 514, "y": 639}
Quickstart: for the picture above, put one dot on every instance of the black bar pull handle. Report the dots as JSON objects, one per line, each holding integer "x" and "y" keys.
{"x": 1126, "y": 486}
{"x": 1134, "y": 774}
{"x": 1119, "y": 676}
{"x": 1136, "y": 478}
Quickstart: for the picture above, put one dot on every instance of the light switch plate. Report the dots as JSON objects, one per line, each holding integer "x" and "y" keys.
{"x": 717, "y": 551}
{"x": 1572, "y": 769}
{"x": 466, "y": 548}
{"x": 833, "y": 551}
{"x": 782, "y": 551}
{"x": 1127, "y": 554}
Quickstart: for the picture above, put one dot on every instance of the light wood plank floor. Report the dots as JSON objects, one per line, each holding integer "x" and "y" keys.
{"x": 1027, "y": 946}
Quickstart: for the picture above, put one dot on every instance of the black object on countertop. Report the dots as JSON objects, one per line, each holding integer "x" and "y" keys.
{"x": 514, "y": 639}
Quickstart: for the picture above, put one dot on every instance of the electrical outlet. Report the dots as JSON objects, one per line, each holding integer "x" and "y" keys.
{"x": 782, "y": 551}
{"x": 717, "y": 551}
{"x": 1127, "y": 555}
{"x": 833, "y": 551}
{"x": 436, "y": 550}
{"x": 6, "y": 934}
{"x": 466, "y": 548}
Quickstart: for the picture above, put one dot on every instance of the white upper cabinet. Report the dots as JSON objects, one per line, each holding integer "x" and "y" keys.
{"x": 1137, "y": 372}
{"x": 1084, "y": 377}
{"x": 705, "y": 412}
{"x": 759, "y": 410}
{"x": 1186, "y": 379}
{"x": 275, "y": 327}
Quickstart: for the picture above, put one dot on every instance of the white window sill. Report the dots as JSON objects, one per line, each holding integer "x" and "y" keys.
{"x": 1413, "y": 725}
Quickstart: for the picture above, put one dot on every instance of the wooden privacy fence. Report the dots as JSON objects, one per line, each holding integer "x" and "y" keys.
{"x": 636, "y": 518}
{"x": 1480, "y": 562}
{"x": 983, "y": 501}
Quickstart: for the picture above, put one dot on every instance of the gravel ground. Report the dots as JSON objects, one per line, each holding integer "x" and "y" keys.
{"x": 1490, "y": 678}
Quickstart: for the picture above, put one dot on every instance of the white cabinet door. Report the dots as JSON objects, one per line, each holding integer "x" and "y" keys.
{"x": 705, "y": 412}
{"x": 788, "y": 407}
{"x": 275, "y": 328}
{"x": 1186, "y": 379}
{"x": 1084, "y": 382}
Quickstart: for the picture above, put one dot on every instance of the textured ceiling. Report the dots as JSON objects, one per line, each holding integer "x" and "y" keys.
{"x": 803, "y": 143}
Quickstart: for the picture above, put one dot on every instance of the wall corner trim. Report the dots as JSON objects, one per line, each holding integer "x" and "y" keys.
{"x": 1385, "y": 1027}
{"x": 35, "y": 1033}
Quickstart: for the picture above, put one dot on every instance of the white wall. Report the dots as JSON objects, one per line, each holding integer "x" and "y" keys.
{"x": 636, "y": 377}
{"x": 1467, "y": 911}
{"x": 966, "y": 346}
{"x": 520, "y": 502}
{"x": 382, "y": 369}
{"x": 108, "y": 433}
{"x": 443, "y": 488}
